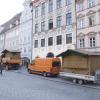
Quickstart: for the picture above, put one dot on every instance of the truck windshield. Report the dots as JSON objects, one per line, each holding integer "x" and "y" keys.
{"x": 56, "y": 64}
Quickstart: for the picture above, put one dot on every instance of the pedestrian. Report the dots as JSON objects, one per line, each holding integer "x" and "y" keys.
{"x": 0, "y": 69}
{"x": 1, "y": 65}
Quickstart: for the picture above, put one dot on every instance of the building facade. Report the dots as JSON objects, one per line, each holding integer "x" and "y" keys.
{"x": 54, "y": 26}
{"x": 1, "y": 39}
{"x": 88, "y": 24}
{"x": 9, "y": 37}
{"x": 15, "y": 34}
{"x": 26, "y": 30}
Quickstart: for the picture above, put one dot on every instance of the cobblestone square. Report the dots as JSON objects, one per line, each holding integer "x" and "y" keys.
{"x": 15, "y": 85}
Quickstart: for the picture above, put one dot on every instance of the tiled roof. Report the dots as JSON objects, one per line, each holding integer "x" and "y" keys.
{"x": 12, "y": 21}
{"x": 35, "y": 1}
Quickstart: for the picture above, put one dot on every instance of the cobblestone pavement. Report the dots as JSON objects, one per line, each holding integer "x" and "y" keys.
{"x": 58, "y": 79}
{"x": 17, "y": 86}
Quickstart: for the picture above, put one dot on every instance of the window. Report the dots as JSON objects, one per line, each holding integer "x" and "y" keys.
{"x": 81, "y": 23}
{"x": 36, "y": 11}
{"x": 24, "y": 49}
{"x": 29, "y": 49}
{"x": 43, "y": 9}
{"x": 92, "y": 42}
{"x": 17, "y": 22}
{"x": 42, "y": 42}
{"x": 68, "y": 2}
{"x": 59, "y": 18}
{"x": 13, "y": 43}
{"x": 69, "y": 18}
{"x": 43, "y": 26}
{"x": 68, "y": 38}
{"x": 59, "y": 40}
{"x": 58, "y": 3}
{"x": 81, "y": 41}
{"x": 50, "y": 23}
{"x": 29, "y": 38}
{"x": 56, "y": 64}
{"x": 91, "y": 3}
{"x": 36, "y": 27}
{"x": 99, "y": 17}
{"x": 36, "y": 44}
{"x": 50, "y": 5}
{"x": 80, "y": 6}
{"x": 24, "y": 39}
{"x": 50, "y": 41}
{"x": 91, "y": 20}
{"x": 11, "y": 25}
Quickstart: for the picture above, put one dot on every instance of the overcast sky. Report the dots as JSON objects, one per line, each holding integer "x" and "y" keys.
{"x": 9, "y": 8}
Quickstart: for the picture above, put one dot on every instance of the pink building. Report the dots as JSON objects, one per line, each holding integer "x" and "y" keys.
{"x": 88, "y": 24}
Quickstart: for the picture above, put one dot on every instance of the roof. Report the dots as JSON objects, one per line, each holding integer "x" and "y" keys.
{"x": 35, "y": 1}
{"x": 12, "y": 21}
{"x": 6, "y": 51}
{"x": 78, "y": 52}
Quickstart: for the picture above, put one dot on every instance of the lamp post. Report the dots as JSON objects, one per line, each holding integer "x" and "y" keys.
{"x": 31, "y": 5}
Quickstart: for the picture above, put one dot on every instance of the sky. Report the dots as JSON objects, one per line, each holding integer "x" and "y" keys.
{"x": 9, "y": 8}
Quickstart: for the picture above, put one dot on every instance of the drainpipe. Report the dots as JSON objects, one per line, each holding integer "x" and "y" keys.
{"x": 31, "y": 5}
{"x": 76, "y": 23}
{"x": 4, "y": 41}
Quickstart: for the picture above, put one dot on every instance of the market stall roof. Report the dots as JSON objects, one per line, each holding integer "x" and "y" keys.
{"x": 78, "y": 52}
{"x": 6, "y": 51}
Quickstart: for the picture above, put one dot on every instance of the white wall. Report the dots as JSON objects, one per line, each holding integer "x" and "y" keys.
{"x": 56, "y": 49}
{"x": 25, "y": 30}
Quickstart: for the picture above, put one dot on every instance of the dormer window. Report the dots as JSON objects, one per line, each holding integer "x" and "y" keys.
{"x": 17, "y": 22}
{"x": 11, "y": 25}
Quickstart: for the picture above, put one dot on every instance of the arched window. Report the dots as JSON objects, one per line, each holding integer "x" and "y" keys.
{"x": 50, "y": 55}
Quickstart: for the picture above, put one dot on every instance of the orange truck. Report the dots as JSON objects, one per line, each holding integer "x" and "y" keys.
{"x": 12, "y": 64}
{"x": 45, "y": 66}
{"x": 11, "y": 59}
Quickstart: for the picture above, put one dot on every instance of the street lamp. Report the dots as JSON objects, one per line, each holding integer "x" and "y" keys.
{"x": 31, "y": 6}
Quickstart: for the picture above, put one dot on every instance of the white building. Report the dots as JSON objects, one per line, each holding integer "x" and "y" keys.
{"x": 15, "y": 34}
{"x": 54, "y": 26}
{"x": 10, "y": 34}
{"x": 1, "y": 39}
{"x": 25, "y": 30}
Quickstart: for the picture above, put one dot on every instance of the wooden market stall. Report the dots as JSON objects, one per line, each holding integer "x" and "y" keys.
{"x": 80, "y": 62}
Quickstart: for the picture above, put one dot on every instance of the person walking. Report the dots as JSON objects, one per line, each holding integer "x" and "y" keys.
{"x": 1, "y": 66}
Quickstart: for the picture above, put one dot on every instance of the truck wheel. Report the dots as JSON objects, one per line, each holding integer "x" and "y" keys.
{"x": 74, "y": 80}
{"x": 45, "y": 74}
{"x": 80, "y": 82}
